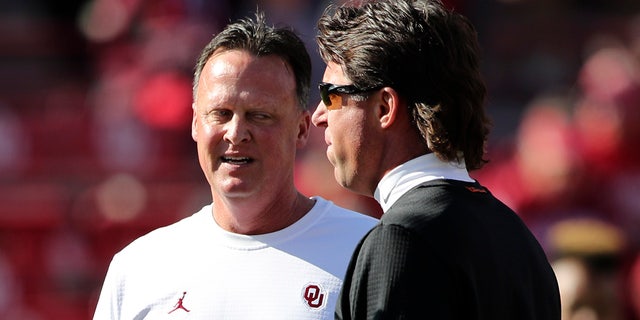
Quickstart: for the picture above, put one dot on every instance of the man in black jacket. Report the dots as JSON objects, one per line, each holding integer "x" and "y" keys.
{"x": 403, "y": 112}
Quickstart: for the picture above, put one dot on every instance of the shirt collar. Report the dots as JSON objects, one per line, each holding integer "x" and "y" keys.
{"x": 424, "y": 168}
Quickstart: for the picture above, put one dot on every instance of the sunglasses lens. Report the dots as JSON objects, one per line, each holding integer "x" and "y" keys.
{"x": 335, "y": 102}
{"x": 330, "y": 97}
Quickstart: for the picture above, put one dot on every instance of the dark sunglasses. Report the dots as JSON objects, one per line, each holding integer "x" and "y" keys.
{"x": 329, "y": 93}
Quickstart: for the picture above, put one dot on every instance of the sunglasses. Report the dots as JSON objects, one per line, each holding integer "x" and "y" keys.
{"x": 329, "y": 93}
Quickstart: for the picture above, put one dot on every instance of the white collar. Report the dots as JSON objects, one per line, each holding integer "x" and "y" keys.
{"x": 424, "y": 168}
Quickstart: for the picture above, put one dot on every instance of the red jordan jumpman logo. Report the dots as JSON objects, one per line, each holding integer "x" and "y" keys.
{"x": 179, "y": 304}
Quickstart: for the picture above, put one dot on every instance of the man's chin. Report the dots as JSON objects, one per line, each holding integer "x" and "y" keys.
{"x": 341, "y": 178}
{"x": 235, "y": 188}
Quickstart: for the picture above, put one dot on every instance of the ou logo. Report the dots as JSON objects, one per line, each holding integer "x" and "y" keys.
{"x": 314, "y": 296}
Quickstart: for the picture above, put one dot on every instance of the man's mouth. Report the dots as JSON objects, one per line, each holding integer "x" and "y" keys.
{"x": 236, "y": 160}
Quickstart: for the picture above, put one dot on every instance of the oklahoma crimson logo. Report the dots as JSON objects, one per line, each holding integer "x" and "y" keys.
{"x": 314, "y": 296}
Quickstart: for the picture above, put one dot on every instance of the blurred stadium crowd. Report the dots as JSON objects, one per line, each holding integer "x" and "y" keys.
{"x": 95, "y": 146}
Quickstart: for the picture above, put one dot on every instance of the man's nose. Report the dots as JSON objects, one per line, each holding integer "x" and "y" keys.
{"x": 319, "y": 116}
{"x": 237, "y": 130}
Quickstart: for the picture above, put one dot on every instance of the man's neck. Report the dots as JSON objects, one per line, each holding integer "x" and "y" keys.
{"x": 250, "y": 216}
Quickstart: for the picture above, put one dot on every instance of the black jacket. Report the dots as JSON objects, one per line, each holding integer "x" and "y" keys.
{"x": 449, "y": 250}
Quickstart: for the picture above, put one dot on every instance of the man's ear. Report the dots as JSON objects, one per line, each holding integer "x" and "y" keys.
{"x": 389, "y": 107}
{"x": 304, "y": 125}
{"x": 194, "y": 124}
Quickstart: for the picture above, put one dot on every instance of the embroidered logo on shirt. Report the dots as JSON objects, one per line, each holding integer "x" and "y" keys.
{"x": 313, "y": 295}
{"x": 474, "y": 189}
{"x": 179, "y": 304}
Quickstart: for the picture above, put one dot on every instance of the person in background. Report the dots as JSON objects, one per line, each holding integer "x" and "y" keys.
{"x": 261, "y": 249}
{"x": 589, "y": 256}
{"x": 403, "y": 114}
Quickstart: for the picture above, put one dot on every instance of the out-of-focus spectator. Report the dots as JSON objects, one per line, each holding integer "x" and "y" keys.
{"x": 607, "y": 116}
{"x": 143, "y": 54}
{"x": 588, "y": 259}
{"x": 125, "y": 145}
{"x": 14, "y": 148}
{"x": 608, "y": 111}
{"x": 69, "y": 268}
{"x": 543, "y": 172}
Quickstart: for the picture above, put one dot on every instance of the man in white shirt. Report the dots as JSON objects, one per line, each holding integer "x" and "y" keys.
{"x": 260, "y": 250}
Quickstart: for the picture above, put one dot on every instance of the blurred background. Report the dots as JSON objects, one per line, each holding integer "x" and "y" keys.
{"x": 95, "y": 146}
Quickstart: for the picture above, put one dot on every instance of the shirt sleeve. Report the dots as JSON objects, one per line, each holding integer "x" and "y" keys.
{"x": 109, "y": 301}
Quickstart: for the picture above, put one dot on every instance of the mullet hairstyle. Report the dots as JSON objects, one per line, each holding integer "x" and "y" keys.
{"x": 430, "y": 55}
{"x": 259, "y": 39}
